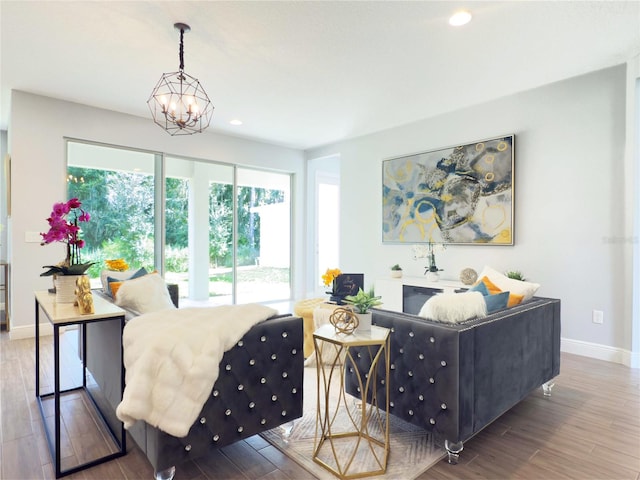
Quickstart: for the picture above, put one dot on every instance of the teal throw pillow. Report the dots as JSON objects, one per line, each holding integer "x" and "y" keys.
{"x": 140, "y": 273}
{"x": 479, "y": 287}
{"x": 496, "y": 302}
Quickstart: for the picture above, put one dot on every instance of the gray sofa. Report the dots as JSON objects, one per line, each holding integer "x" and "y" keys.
{"x": 260, "y": 387}
{"x": 455, "y": 379}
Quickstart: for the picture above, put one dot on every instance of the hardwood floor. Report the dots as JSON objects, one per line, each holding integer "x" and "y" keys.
{"x": 588, "y": 429}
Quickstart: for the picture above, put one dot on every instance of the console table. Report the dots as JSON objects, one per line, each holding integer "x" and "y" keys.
{"x": 394, "y": 291}
{"x": 61, "y": 315}
{"x": 364, "y": 427}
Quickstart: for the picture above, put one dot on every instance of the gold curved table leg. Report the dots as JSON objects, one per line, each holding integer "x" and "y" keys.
{"x": 367, "y": 424}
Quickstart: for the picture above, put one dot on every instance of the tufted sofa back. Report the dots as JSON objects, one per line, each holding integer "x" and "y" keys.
{"x": 456, "y": 379}
{"x": 260, "y": 387}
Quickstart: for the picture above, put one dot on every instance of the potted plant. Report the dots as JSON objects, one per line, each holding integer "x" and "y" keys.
{"x": 362, "y": 302}
{"x": 515, "y": 275}
{"x": 64, "y": 228}
{"x": 396, "y": 271}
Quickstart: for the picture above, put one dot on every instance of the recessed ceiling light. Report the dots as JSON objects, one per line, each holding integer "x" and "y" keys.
{"x": 459, "y": 18}
{"x": 235, "y": 121}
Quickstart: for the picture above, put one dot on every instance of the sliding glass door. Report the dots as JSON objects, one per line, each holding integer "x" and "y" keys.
{"x": 263, "y": 258}
{"x": 116, "y": 186}
{"x": 199, "y": 230}
{"x": 202, "y": 258}
{"x": 221, "y": 232}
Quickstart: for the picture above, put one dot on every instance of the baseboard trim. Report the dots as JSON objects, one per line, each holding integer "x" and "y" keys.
{"x": 600, "y": 352}
{"x": 632, "y": 359}
{"x": 29, "y": 331}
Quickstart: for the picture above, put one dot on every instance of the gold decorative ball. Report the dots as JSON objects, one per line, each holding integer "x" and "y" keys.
{"x": 468, "y": 276}
{"x": 344, "y": 320}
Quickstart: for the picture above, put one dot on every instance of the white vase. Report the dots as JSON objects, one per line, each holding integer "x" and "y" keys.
{"x": 396, "y": 273}
{"x": 364, "y": 322}
{"x": 66, "y": 288}
{"x": 433, "y": 276}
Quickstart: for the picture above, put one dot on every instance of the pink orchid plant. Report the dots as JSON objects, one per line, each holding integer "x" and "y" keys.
{"x": 63, "y": 227}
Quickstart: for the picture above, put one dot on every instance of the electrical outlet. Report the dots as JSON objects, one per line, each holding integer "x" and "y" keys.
{"x": 598, "y": 316}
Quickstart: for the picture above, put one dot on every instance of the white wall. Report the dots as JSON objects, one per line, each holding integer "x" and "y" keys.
{"x": 569, "y": 200}
{"x": 36, "y": 144}
{"x": 632, "y": 191}
{"x": 3, "y": 187}
{"x": 274, "y": 250}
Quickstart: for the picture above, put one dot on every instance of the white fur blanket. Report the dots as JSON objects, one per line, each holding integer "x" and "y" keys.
{"x": 172, "y": 360}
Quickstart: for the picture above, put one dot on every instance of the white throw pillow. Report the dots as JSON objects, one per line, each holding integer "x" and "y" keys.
{"x": 454, "y": 307}
{"x": 145, "y": 294}
{"x": 506, "y": 284}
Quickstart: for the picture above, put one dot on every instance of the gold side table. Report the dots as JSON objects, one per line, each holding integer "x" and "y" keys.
{"x": 352, "y": 440}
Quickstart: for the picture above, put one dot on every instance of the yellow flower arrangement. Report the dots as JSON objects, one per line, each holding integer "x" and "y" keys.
{"x": 119, "y": 265}
{"x": 330, "y": 275}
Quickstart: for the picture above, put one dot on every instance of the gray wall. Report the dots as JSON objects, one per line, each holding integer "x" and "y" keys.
{"x": 569, "y": 199}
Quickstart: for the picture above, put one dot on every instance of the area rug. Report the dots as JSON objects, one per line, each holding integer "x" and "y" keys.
{"x": 412, "y": 450}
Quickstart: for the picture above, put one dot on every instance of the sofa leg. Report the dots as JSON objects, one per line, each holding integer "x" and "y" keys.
{"x": 453, "y": 451}
{"x": 166, "y": 474}
{"x": 286, "y": 429}
{"x": 546, "y": 388}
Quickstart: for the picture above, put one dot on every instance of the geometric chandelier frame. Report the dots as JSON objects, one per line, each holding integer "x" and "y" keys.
{"x": 178, "y": 102}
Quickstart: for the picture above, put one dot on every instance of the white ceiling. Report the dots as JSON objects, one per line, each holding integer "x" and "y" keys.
{"x": 303, "y": 73}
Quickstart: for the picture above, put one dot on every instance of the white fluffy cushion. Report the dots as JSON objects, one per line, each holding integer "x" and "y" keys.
{"x": 145, "y": 294}
{"x": 506, "y": 284}
{"x": 454, "y": 307}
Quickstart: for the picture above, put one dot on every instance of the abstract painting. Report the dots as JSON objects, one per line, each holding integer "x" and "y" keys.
{"x": 456, "y": 195}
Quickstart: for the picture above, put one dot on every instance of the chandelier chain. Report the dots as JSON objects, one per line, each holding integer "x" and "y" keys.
{"x": 181, "y": 49}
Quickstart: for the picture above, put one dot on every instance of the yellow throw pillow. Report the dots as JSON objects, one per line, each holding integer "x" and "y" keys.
{"x": 514, "y": 299}
{"x": 491, "y": 287}
{"x": 114, "y": 286}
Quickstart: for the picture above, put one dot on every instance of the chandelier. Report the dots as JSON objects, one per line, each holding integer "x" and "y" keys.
{"x": 178, "y": 102}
